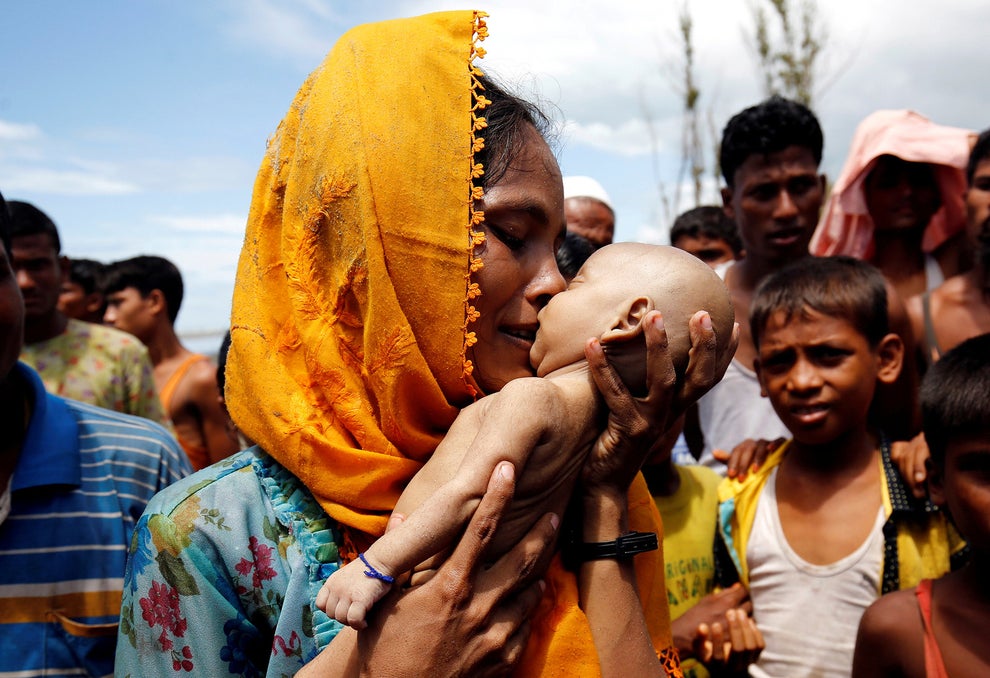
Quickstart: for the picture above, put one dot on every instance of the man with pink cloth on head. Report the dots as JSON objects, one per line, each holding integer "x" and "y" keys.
{"x": 898, "y": 202}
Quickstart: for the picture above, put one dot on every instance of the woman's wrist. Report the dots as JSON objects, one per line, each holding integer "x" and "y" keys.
{"x": 605, "y": 515}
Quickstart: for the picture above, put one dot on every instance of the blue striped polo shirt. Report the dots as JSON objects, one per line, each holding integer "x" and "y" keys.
{"x": 82, "y": 480}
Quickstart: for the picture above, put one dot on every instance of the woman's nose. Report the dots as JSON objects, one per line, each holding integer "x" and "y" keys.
{"x": 547, "y": 282}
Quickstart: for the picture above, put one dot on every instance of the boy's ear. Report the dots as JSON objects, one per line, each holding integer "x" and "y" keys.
{"x": 156, "y": 301}
{"x": 726, "y": 193}
{"x": 890, "y": 358}
{"x": 936, "y": 483}
{"x": 629, "y": 320}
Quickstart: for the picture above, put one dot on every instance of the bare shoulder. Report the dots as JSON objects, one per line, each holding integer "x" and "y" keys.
{"x": 954, "y": 291}
{"x": 199, "y": 385}
{"x": 894, "y": 614}
{"x": 889, "y": 641}
{"x": 528, "y": 386}
{"x": 530, "y": 397}
{"x": 950, "y": 254}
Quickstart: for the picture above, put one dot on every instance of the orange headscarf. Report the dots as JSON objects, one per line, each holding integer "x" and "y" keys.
{"x": 846, "y": 226}
{"x": 354, "y": 298}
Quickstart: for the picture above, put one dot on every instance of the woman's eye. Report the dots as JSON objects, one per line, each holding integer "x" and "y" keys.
{"x": 510, "y": 241}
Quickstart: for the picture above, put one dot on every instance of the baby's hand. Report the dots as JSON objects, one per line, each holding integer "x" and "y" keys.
{"x": 350, "y": 592}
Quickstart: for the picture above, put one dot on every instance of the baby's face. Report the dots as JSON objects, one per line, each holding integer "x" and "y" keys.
{"x": 584, "y": 310}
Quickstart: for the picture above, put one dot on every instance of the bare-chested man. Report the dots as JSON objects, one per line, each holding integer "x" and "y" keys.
{"x": 143, "y": 297}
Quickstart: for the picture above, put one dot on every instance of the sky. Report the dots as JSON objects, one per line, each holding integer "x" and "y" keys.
{"x": 139, "y": 126}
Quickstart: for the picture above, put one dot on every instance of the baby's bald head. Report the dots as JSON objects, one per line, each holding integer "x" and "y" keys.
{"x": 615, "y": 289}
{"x": 680, "y": 285}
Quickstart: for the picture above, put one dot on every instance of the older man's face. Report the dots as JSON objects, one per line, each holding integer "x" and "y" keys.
{"x": 590, "y": 219}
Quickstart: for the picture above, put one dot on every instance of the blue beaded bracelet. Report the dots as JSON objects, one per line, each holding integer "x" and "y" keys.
{"x": 373, "y": 573}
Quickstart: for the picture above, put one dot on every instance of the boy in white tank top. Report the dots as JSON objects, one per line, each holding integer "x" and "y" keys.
{"x": 823, "y": 528}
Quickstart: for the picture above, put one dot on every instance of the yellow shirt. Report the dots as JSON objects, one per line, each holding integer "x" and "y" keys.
{"x": 689, "y": 522}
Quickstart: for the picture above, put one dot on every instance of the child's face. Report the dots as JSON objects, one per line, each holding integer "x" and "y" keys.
{"x": 820, "y": 373}
{"x": 963, "y": 485}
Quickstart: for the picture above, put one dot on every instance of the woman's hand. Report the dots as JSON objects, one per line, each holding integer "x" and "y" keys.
{"x": 634, "y": 424}
{"x": 467, "y": 620}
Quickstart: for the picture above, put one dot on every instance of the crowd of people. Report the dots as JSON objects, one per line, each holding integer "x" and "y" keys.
{"x": 455, "y": 430}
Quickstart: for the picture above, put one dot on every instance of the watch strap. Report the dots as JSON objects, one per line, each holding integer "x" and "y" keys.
{"x": 626, "y": 546}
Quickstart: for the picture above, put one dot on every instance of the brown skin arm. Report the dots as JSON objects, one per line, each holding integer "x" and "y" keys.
{"x": 896, "y": 405}
{"x": 608, "y": 596}
{"x": 909, "y": 450}
{"x": 467, "y": 620}
{"x": 206, "y": 411}
{"x": 890, "y": 639}
{"x": 607, "y": 588}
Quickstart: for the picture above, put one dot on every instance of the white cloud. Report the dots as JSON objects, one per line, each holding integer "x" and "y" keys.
{"x": 28, "y": 165}
{"x": 62, "y": 182}
{"x": 295, "y": 29}
{"x": 16, "y": 132}
{"x": 221, "y": 223}
{"x": 651, "y": 234}
{"x": 32, "y": 161}
{"x": 195, "y": 174}
{"x": 630, "y": 138}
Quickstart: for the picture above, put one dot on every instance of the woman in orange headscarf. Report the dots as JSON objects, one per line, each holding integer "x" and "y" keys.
{"x": 400, "y": 244}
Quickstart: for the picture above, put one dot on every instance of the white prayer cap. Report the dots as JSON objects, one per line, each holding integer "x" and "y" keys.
{"x": 586, "y": 187}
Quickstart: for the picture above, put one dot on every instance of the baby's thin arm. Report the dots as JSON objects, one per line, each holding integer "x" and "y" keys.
{"x": 349, "y": 593}
{"x": 509, "y": 430}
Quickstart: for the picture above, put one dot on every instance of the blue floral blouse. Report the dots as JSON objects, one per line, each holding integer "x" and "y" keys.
{"x": 223, "y": 573}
